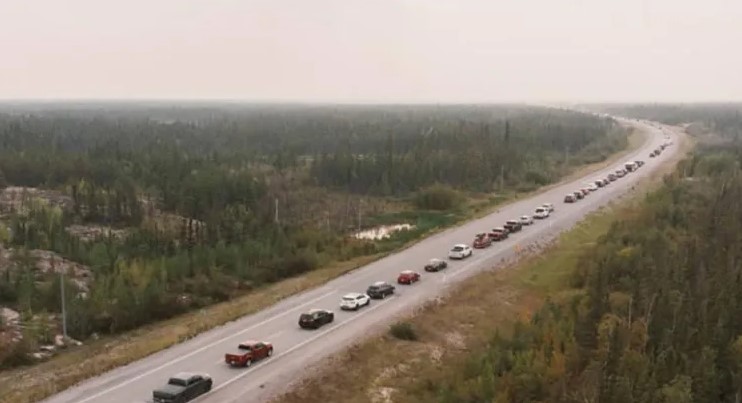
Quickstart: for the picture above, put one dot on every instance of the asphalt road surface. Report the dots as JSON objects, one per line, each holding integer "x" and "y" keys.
{"x": 296, "y": 349}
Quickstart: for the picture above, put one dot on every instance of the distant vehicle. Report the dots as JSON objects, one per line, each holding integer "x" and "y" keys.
{"x": 541, "y": 213}
{"x": 513, "y": 225}
{"x": 379, "y": 290}
{"x": 579, "y": 195}
{"x": 460, "y": 251}
{"x": 354, "y": 301}
{"x": 592, "y": 186}
{"x": 248, "y": 352}
{"x": 653, "y": 154}
{"x": 639, "y": 163}
{"x": 183, "y": 387}
{"x": 612, "y": 177}
{"x": 630, "y": 166}
{"x": 585, "y": 191}
{"x": 408, "y": 277}
{"x": 599, "y": 183}
{"x": 548, "y": 206}
{"x": 570, "y": 198}
{"x": 499, "y": 233}
{"x": 606, "y": 181}
{"x": 316, "y": 318}
{"x": 620, "y": 173}
{"x": 526, "y": 220}
{"x": 481, "y": 241}
{"x": 436, "y": 265}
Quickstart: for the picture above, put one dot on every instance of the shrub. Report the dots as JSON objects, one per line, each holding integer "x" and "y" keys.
{"x": 403, "y": 331}
{"x": 437, "y": 197}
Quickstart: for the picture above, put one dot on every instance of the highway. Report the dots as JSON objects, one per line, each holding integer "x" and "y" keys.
{"x": 296, "y": 349}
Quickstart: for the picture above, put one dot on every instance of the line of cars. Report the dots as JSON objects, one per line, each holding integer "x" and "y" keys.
{"x": 187, "y": 386}
{"x": 628, "y": 167}
{"x": 657, "y": 151}
{"x": 485, "y": 239}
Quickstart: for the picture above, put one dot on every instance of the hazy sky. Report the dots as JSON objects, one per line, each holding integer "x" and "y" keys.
{"x": 373, "y": 50}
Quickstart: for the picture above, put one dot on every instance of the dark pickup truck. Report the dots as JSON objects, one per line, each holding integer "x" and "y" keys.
{"x": 182, "y": 388}
{"x": 513, "y": 226}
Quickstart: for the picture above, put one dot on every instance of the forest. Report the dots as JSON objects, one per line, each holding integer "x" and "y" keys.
{"x": 653, "y": 312}
{"x": 183, "y": 201}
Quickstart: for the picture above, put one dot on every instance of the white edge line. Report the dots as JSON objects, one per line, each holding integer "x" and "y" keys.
{"x": 302, "y": 344}
{"x": 182, "y": 357}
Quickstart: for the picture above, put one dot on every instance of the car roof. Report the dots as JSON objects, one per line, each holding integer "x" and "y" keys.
{"x": 249, "y": 342}
{"x": 315, "y": 310}
{"x": 435, "y": 260}
{"x": 524, "y": 216}
{"x": 498, "y": 229}
{"x": 352, "y": 295}
{"x": 407, "y": 272}
{"x": 511, "y": 220}
{"x": 184, "y": 375}
{"x": 460, "y": 245}
{"x": 379, "y": 283}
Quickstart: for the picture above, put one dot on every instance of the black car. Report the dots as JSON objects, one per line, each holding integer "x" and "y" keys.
{"x": 436, "y": 265}
{"x": 380, "y": 290}
{"x": 513, "y": 225}
{"x": 316, "y": 318}
{"x": 182, "y": 388}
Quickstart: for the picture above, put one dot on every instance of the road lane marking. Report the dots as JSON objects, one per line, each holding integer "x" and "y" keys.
{"x": 184, "y": 356}
{"x": 302, "y": 344}
{"x": 264, "y": 339}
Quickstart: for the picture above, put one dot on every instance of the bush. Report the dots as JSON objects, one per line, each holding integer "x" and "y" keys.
{"x": 403, "y": 331}
{"x": 438, "y": 197}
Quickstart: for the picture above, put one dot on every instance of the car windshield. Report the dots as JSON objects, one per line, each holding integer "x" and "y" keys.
{"x": 373, "y": 287}
{"x": 351, "y": 298}
{"x": 457, "y": 249}
{"x": 305, "y": 316}
{"x": 539, "y": 210}
{"x": 244, "y": 347}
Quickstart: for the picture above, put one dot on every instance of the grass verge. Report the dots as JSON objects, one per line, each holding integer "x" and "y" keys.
{"x": 387, "y": 368}
{"x": 32, "y": 384}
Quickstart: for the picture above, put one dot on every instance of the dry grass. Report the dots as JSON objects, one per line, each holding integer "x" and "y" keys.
{"x": 379, "y": 370}
{"x": 65, "y": 370}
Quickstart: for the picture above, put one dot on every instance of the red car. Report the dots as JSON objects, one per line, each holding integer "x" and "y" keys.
{"x": 408, "y": 277}
{"x": 248, "y": 352}
{"x": 482, "y": 241}
{"x": 498, "y": 234}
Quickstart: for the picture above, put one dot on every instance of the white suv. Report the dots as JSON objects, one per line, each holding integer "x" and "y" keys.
{"x": 548, "y": 206}
{"x": 460, "y": 251}
{"x": 353, "y": 301}
{"x": 541, "y": 212}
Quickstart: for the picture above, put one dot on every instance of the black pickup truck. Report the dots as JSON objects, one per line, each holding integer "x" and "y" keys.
{"x": 183, "y": 387}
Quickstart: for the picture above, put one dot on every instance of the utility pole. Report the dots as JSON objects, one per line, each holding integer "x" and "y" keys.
{"x": 360, "y": 203}
{"x": 64, "y": 308}
{"x": 276, "y": 218}
{"x": 502, "y": 176}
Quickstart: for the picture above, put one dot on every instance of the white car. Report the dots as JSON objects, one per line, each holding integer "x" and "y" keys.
{"x": 526, "y": 220}
{"x": 541, "y": 213}
{"x": 548, "y": 206}
{"x": 592, "y": 186}
{"x": 460, "y": 251}
{"x": 353, "y": 301}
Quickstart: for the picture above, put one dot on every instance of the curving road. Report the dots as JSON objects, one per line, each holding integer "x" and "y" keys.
{"x": 296, "y": 349}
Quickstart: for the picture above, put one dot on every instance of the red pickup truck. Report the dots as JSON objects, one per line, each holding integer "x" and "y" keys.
{"x": 248, "y": 352}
